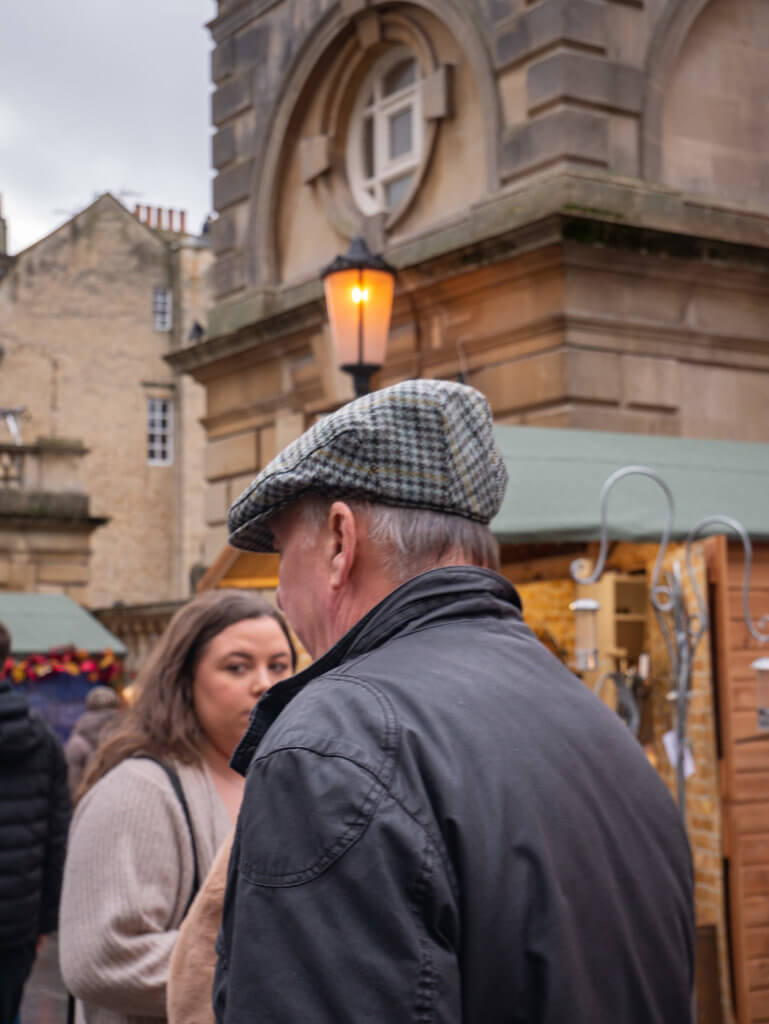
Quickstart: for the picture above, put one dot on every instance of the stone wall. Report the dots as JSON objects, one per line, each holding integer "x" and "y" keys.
{"x": 82, "y": 356}
{"x": 670, "y": 92}
{"x": 715, "y": 120}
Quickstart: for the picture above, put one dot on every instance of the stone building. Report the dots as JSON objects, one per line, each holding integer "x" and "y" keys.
{"x": 101, "y": 482}
{"x": 575, "y": 195}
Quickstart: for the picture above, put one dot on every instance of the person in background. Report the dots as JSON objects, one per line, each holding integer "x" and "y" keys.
{"x": 102, "y": 709}
{"x": 34, "y": 818}
{"x": 158, "y": 799}
{"x": 440, "y": 822}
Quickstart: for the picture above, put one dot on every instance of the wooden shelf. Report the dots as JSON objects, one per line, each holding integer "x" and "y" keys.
{"x": 618, "y": 631}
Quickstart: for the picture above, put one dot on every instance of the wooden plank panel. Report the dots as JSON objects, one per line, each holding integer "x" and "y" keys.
{"x": 758, "y": 1004}
{"x": 758, "y": 974}
{"x": 757, "y": 943}
{"x": 743, "y": 695}
{"x": 745, "y": 769}
{"x": 745, "y": 723}
{"x": 759, "y": 573}
{"x": 759, "y": 602}
{"x": 754, "y": 850}
{"x": 741, "y": 659}
{"x": 755, "y": 881}
{"x": 750, "y": 819}
{"x": 755, "y": 910}
{"x": 751, "y": 757}
{"x": 735, "y": 823}
{"x": 750, "y": 787}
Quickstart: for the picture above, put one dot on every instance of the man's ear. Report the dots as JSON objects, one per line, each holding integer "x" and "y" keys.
{"x": 343, "y": 543}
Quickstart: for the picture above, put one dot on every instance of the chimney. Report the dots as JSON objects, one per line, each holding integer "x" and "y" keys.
{"x": 182, "y": 218}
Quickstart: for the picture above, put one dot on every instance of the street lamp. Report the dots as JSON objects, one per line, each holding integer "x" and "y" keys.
{"x": 667, "y": 599}
{"x": 359, "y": 299}
{"x": 586, "y": 633}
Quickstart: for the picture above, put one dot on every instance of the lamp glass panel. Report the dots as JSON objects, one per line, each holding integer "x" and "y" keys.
{"x": 359, "y": 306}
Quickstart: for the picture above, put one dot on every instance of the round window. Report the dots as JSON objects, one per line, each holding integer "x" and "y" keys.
{"x": 385, "y": 142}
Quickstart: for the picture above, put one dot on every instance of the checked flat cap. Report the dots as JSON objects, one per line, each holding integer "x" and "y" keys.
{"x": 425, "y": 444}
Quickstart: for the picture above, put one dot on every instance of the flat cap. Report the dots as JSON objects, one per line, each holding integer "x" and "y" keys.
{"x": 426, "y": 444}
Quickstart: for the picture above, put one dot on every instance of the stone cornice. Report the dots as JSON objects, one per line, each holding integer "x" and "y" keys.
{"x": 564, "y": 206}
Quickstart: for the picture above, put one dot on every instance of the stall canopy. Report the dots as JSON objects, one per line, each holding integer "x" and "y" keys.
{"x": 556, "y": 478}
{"x": 553, "y": 497}
{"x": 39, "y": 622}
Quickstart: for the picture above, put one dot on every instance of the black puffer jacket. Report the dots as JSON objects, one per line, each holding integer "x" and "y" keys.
{"x": 441, "y": 823}
{"x": 34, "y": 818}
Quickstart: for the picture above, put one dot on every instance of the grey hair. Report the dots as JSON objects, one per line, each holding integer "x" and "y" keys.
{"x": 413, "y": 540}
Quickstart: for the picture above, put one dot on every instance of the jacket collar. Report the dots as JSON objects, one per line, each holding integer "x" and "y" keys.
{"x": 434, "y": 595}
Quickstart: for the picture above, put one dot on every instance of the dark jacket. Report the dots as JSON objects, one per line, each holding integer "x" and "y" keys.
{"x": 34, "y": 818}
{"x": 441, "y": 823}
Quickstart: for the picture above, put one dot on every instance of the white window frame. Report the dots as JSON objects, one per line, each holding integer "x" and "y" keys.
{"x": 383, "y": 108}
{"x": 160, "y": 437}
{"x": 162, "y": 308}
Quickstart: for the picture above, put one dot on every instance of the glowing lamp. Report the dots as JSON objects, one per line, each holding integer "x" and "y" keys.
{"x": 359, "y": 299}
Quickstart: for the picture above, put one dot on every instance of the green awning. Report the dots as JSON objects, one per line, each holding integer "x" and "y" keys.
{"x": 38, "y": 622}
{"x": 556, "y": 478}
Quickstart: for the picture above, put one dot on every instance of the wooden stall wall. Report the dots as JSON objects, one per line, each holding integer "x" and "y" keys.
{"x": 744, "y": 771}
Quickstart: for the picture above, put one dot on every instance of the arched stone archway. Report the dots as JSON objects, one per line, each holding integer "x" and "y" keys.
{"x": 706, "y": 119}
{"x": 669, "y": 36}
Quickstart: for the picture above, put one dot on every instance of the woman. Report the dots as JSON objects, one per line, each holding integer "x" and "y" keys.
{"x": 135, "y": 858}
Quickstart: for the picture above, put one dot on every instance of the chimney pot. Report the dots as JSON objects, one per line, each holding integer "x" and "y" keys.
{"x": 138, "y": 211}
{"x": 182, "y": 218}
{"x": 159, "y": 217}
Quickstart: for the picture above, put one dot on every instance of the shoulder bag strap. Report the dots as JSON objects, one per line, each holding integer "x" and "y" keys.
{"x": 176, "y": 785}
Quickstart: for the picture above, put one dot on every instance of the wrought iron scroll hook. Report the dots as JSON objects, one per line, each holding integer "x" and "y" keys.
{"x": 663, "y": 604}
{"x": 742, "y": 533}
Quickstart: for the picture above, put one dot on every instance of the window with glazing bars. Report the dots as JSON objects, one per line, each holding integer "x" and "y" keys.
{"x": 160, "y": 431}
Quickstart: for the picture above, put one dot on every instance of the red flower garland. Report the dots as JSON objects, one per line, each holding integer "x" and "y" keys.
{"x": 99, "y": 668}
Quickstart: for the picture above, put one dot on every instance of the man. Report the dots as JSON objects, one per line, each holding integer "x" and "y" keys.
{"x": 440, "y": 822}
{"x": 34, "y": 818}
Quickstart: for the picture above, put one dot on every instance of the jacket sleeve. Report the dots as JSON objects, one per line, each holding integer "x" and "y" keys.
{"x": 76, "y": 753}
{"x": 127, "y": 879}
{"x": 59, "y": 811}
{"x": 339, "y": 907}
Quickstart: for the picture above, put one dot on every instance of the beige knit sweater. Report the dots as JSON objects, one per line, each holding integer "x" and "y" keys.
{"x": 127, "y": 881}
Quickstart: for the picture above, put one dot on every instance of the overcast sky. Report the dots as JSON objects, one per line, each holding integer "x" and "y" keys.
{"x": 102, "y": 96}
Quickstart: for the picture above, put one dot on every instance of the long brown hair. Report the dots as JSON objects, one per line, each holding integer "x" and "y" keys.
{"x": 162, "y": 723}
